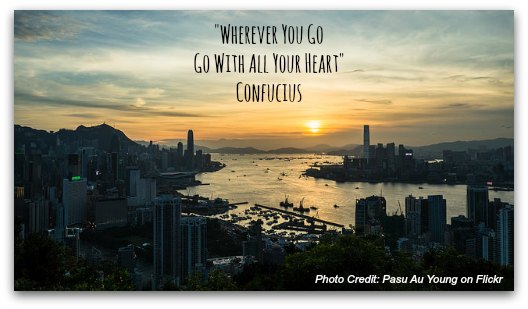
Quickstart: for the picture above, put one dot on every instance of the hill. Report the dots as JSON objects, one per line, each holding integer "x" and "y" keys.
{"x": 101, "y": 136}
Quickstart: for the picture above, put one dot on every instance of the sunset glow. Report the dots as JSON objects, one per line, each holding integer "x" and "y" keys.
{"x": 399, "y": 74}
{"x": 314, "y": 126}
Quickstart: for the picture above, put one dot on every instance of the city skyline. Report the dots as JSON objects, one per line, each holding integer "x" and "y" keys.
{"x": 423, "y": 76}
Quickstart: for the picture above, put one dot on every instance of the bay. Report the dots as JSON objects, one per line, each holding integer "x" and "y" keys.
{"x": 266, "y": 179}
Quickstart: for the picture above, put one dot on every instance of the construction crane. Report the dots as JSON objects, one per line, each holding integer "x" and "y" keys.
{"x": 399, "y": 208}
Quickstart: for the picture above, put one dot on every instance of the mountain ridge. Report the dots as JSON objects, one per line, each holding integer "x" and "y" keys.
{"x": 102, "y": 134}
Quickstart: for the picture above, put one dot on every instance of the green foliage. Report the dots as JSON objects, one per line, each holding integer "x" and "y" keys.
{"x": 216, "y": 281}
{"x": 364, "y": 256}
{"x": 347, "y": 255}
{"x": 39, "y": 263}
{"x": 42, "y": 264}
{"x": 261, "y": 277}
{"x": 448, "y": 262}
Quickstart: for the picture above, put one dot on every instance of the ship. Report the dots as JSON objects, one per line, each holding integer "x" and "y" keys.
{"x": 285, "y": 203}
{"x": 301, "y": 208}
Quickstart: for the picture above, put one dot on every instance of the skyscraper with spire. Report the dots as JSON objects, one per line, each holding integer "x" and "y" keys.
{"x": 189, "y": 153}
{"x": 190, "y": 142}
{"x": 366, "y": 141}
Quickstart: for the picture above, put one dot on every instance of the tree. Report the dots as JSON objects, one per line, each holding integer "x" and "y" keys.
{"x": 43, "y": 264}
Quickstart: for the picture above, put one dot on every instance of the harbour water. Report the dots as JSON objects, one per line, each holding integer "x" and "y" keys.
{"x": 266, "y": 179}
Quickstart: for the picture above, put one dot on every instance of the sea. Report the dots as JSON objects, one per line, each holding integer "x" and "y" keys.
{"x": 267, "y": 179}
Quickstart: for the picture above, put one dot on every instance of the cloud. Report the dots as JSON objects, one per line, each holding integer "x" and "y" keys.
{"x": 130, "y": 110}
{"x": 459, "y": 105}
{"x": 85, "y": 116}
{"x": 453, "y": 69}
{"x": 139, "y": 102}
{"x": 45, "y": 25}
{"x": 381, "y": 102}
{"x": 464, "y": 78}
{"x": 355, "y": 71}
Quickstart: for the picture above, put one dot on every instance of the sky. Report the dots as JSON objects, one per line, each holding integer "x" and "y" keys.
{"x": 416, "y": 77}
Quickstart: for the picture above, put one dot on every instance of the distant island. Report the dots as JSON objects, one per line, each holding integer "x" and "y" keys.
{"x": 428, "y": 152}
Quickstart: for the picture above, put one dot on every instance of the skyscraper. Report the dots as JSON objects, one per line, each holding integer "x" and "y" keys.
{"x": 370, "y": 211}
{"x": 505, "y": 235}
{"x": 190, "y": 142}
{"x": 366, "y": 141}
{"x": 131, "y": 180}
{"x": 189, "y": 153}
{"x": 166, "y": 217}
{"x": 179, "y": 153}
{"x": 437, "y": 217}
{"x": 416, "y": 216}
{"x": 74, "y": 165}
{"x": 74, "y": 200}
{"x": 477, "y": 204}
{"x": 194, "y": 245}
{"x": 86, "y": 154}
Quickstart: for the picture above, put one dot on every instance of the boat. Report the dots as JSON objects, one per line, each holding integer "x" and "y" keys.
{"x": 301, "y": 208}
{"x": 335, "y": 206}
{"x": 420, "y": 188}
{"x": 285, "y": 203}
{"x": 357, "y": 188}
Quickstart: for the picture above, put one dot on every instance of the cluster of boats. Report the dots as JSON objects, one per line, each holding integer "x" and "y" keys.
{"x": 286, "y": 204}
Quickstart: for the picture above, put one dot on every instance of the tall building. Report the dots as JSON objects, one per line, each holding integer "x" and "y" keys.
{"x": 38, "y": 216}
{"x": 164, "y": 160}
{"x": 463, "y": 235}
{"x": 109, "y": 212}
{"x": 505, "y": 236}
{"x": 179, "y": 152}
{"x": 485, "y": 243}
{"x": 86, "y": 154}
{"x": 60, "y": 228}
{"x": 370, "y": 211}
{"x": 140, "y": 190}
{"x": 493, "y": 211}
{"x": 189, "y": 152}
{"x": 166, "y": 219}
{"x": 74, "y": 200}
{"x": 73, "y": 165}
{"x": 477, "y": 204}
{"x": 131, "y": 180}
{"x": 366, "y": 141}
{"x": 194, "y": 245}
{"x": 190, "y": 142}
{"x": 437, "y": 217}
{"x": 391, "y": 159}
{"x": 114, "y": 158}
{"x": 416, "y": 216}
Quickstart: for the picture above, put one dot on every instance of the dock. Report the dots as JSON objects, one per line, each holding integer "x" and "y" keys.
{"x": 301, "y": 215}
{"x": 239, "y": 203}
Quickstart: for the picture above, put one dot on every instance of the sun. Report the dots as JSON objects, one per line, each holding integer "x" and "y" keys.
{"x": 314, "y": 126}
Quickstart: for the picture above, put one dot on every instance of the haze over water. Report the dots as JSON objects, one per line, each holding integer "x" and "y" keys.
{"x": 246, "y": 178}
